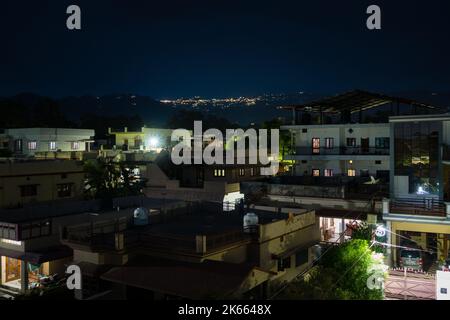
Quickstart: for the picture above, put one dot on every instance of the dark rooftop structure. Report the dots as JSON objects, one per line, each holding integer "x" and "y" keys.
{"x": 183, "y": 279}
{"x": 357, "y": 101}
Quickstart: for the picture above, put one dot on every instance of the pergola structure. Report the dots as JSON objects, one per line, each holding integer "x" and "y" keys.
{"x": 358, "y": 101}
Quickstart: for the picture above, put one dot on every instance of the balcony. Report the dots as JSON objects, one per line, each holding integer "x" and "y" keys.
{"x": 342, "y": 151}
{"x": 420, "y": 207}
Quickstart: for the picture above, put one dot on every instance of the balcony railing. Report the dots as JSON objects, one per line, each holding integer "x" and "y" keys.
{"x": 341, "y": 151}
{"x": 422, "y": 207}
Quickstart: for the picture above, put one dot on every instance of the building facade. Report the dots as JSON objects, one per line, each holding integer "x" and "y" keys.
{"x": 340, "y": 149}
{"x": 418, "y": 211}
{"x": 27, "y": 182}
{"x": 32, "y": 141}
{"x": 147, "y": 139}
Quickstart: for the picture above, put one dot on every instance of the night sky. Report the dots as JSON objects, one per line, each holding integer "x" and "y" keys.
{"x": 222, "y": 48}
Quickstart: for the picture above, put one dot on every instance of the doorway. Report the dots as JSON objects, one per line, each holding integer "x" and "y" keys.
{"x": 364, "y": 145}
{"x": 12, "y": 269}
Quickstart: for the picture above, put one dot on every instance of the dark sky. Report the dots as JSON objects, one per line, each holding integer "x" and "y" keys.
{"x": 222, "y": 48}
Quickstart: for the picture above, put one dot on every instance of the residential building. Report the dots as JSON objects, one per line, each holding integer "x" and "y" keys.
{"x": 191, "y": 182}
{"x": 24, "y": 182}
{"x": 147, "y": 139}
{"x": 340, "y": 150}
{"x": 417, "y": 212}
{"x": 203, "y": 252}
{"x": 34, "y": 141}
{"x": 31, "y": 251}
{"x": 346, "y": 135}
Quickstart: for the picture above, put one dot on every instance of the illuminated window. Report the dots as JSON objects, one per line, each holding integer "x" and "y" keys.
{"x": 219, "y": 172}
{"x": 351, "y": 172}
{"x": 329, "y": 143}
{"x": 13, "y": 242}
{"x": 52, "y": 145}
{"x": 328, "y": 172}
{"x": 242, "y": 172}
{"x": 252, "y": 171}
{"x": 32, "y": 145}
{"x": 316, "y": 145}
{"x": 75, "y": 145}
{"x": 316, "y": 172}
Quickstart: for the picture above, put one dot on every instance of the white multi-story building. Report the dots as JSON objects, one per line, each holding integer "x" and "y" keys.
{"x": 340, "y": 149}
{"x": 29, "y": 141}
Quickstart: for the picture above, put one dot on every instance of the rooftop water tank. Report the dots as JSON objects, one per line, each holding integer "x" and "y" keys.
{"x": 140, "y": 216}
{"x": 251, "y": 223}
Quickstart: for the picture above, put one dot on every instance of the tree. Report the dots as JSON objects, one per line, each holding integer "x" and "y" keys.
{"x": 106, "y": 179}
{"x": 342, "y": 274}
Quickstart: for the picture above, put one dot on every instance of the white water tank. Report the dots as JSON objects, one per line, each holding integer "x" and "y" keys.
{"x": 251, "y": 222}
{"x": 140, "y": 216}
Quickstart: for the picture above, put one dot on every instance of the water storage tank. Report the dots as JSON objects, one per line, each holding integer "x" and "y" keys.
{"x": 140, "y": 216}
{"x": 251, "y": 222}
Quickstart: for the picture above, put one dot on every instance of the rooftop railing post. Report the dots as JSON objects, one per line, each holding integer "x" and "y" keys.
{"x": 447, "y": 209}
{"x": 385, "y": 206}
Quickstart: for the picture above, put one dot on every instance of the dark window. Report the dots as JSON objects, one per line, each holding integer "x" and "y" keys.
{"x": 304, "y": 161}
{"x": 364, "y": 173}
{"x": 284, "y": 263}
{"x": 351, "y": 142}
{"x": 377, "y": 161}
{"x": 301, "y": 257}
{"x": 35, "y": 229}
{"x": 443, "y": 290}
{"x": 304, "y": 130}
{"x": 382, "y": 143}
{"x": 18, "y": 145}
{"x": 63, "y": 175}
{"x": 28, "y": 191}
{"x": 64, "y": 190}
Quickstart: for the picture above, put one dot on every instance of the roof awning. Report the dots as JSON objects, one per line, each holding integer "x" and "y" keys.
{"x": 38, "y": 257}
{"x": 355, "y": 101}
{"x": 187, "y": 280}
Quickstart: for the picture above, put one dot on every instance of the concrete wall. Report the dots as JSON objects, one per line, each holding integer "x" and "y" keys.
{"x": 341, "y": 167}
{"x": 62, "y": 136}
{"x": 145, "y": 135}
{"x": 292, "y": 190}
{"x": 339, "y": 133}
{"x": 45, "y": 174}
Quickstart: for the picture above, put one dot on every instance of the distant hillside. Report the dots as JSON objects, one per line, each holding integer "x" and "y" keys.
{"x": 27, "y": 109}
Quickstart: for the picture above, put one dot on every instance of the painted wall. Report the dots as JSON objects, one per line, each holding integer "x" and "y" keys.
{"x": 47, "y": 175}
{"x": 340, "y": 133}
{"x": 62, "y": 136}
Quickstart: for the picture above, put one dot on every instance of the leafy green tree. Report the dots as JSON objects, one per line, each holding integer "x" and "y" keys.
{"x": 342, "y": 274}
{"x": 285, "y": 137}
{"x": 106, "y": 179}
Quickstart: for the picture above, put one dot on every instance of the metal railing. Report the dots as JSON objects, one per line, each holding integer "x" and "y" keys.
{"x": 423, "y": 207}
{"x": 341, "y": 151}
